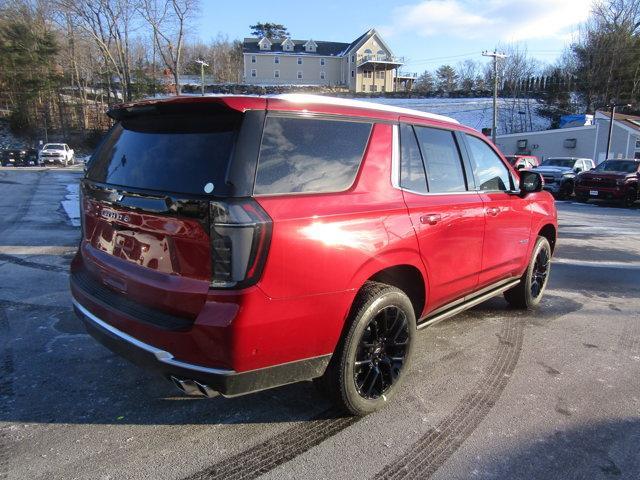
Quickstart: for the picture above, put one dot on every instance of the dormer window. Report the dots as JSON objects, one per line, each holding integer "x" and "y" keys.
{"x": 287, "y": 45}
{"x": 264, "y": 44}
{"x": 310, "y": 46}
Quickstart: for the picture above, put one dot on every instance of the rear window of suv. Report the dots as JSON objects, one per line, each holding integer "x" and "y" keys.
{"x": 302, "y": 155}
{"x": 169, "y": 153}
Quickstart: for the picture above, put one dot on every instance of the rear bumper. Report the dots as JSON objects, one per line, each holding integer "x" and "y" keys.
{"x": 52, "y": 161}
{"x": 224, "y": 381}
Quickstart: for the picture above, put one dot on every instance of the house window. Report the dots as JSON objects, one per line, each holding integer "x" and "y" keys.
{"x": 353, "y": 58}
{"x": 254, "y": 73}
{"x": 353, "y": 73}
{"x": 371, "y": 88}
{"x": 276, "y": 60}
{"x": 381, "y": 55}
{"x": 299, "y": 75}
{"x": 322, "y": 61}
{"x": 380, "y": 74}
{"x": 367, "y": 74}
{"x": 276, "y": 74}
{"x": 321, "y": 75}
{"x": 299, "y": 61}
{"x": 253, "y": 59}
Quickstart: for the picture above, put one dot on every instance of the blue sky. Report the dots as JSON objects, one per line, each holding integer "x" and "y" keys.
{"x": 427, "y": 32}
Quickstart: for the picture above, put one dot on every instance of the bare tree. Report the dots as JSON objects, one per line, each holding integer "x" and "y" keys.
{"x": 110, "y": 24}
{"x": 169, "y": 20}
{"x": 467, "y": 72}
{"x": 514, "y": 73}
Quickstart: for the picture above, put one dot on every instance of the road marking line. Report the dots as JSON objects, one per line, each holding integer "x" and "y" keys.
{"x": 35, "y": 250}
{"x": 595, "y": 263}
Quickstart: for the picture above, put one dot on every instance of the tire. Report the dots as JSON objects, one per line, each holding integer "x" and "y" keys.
{"x": 528, "y": 293}
{"x": 565, "y": 192}
{"x": 367, "y": 348}
{"x": 582, "y": 198}
{"x": 630, "y": 198}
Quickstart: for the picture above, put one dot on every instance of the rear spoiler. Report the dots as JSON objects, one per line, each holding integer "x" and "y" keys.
{"x": 187, "y": 104}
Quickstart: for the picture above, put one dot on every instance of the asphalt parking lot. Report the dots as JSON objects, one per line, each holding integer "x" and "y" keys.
{"x": 493, "y": 393}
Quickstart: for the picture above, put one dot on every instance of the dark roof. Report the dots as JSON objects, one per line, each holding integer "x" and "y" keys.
{"x": 632, "y": 121}
{"x": 250, "y": 45}
{"x": 356, "y": 41}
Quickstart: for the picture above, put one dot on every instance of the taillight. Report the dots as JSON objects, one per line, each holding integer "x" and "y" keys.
{"x": 240, "y": 236}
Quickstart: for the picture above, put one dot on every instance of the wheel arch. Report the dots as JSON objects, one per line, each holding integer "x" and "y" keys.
{"x": 401, "y": 269}
{"x": 549, "y": 232}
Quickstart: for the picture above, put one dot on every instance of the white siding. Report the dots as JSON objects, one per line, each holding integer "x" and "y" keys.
{"x": 550, "y": 143}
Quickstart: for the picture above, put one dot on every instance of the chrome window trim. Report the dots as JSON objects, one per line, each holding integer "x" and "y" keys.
{"x": 430, "y": 194}
{"x": 395, "y": 167}
{"x": 395, "y": 157}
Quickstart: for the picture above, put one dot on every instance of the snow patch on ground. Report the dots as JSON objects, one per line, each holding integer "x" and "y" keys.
{"x": 71, "y": 204}
{"x": 473, "y": 112}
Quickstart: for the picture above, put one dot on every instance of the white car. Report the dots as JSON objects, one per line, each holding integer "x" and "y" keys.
{"x": 56, "y": 154}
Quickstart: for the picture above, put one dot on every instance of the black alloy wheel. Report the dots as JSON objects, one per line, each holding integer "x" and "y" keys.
{"x": 630, "y": 198}
{"x": 375, "y": 352}
{"x": 533, "y": 282}
{"x": 381, "y": 352}
{"x": 539, "y": 272}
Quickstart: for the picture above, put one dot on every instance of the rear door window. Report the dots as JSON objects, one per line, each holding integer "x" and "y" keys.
{"x": 441, "y": 160}
{"x": 302, "y": 155}
{"x": 169, "y": 153}
{"x": 490, "y": 173}
{"x": 412, "y": 175}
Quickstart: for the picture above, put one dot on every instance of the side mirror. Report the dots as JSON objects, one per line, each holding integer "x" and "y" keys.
{"x": 577, "y": 169}
{"x": 520, "y": 167}
{"x": 530, "y": 182}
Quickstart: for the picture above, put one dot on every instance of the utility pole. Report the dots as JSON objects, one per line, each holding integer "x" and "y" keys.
{"x": 613, "y": 114}
{"x": 202, "y": 65}
{"x": 495, "y": 55}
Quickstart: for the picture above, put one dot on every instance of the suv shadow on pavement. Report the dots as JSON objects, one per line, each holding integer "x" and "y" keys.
{"x": 571, "y": 454}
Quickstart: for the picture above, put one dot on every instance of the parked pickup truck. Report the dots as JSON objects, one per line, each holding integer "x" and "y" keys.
{"x": 17, "y": 155}
{"x": 56, "y": 154}
{"x": 559, "y": 174}
{"x": 612, "y": 179}
{"x": 523, "y": 162}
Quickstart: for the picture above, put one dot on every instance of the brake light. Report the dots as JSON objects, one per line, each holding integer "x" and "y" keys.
{"x": 240, "y": 235}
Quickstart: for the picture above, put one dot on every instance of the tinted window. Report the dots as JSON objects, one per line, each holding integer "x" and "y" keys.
{"x": 626, "y": 166}
{"x": 559, "y": 162}
{"x": 170, "y": 153}
{"x": 442, "y": 160}
{"x": 411, "y": 167}
{"x": 488, "y": 169}
{"x": 309, "y": 155}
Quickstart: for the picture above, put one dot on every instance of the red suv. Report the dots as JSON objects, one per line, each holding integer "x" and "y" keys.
{"x": 239, "y": 243}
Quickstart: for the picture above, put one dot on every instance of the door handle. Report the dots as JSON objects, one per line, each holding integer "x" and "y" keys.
{"x": 430, "y": 219}
{"x": 493, "y": 211}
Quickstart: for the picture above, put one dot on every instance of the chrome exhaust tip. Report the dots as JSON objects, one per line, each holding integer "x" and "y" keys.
{"x": 193, "y": 388}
